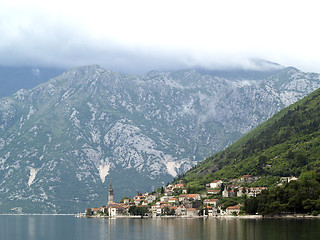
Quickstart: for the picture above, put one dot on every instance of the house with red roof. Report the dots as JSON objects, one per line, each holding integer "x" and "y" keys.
{"x": 180, "y": 185}
{"x": 192, "y": 212}
{"x": 183, "y": 197}
{"x": 94, "y": 211}
{"x": 248, "y": 178}
{"x": 116, "y": 209}
{"x": 150, "y": 198}
{"x": 210, "y": 211}
{"x": 215, "y": 184}
{"x": 173, "y": 200}
{"x": 164, "y": 198}
{"x": 181, "y": 211}
{"x": 231, "y": 209}
{"x": 212, "y": 202}
{"x": 138, "y": 199}
{"x": 213, "y": 191}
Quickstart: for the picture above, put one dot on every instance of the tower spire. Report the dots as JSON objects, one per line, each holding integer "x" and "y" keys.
{"x": 110, "y": 198}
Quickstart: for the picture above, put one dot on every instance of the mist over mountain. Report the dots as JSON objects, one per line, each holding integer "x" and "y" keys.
{"x": 255, "y": 69}
{"x": 13, "y": 78}
{"x": 62, "y": 141}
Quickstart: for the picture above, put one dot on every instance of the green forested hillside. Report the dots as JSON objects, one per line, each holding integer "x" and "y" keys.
{"x": 286, "y": 145}
{"x": 302, "y": 196}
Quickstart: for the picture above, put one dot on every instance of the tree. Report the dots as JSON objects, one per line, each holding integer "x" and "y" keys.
{"x": 234, "y": 214}
{"x": 290, "y": 155}
{"x": 251, "y": 205}
{"x": 222, "y": 187}
{"x": 196, "y": 203}
{"x": 261, "y": 163}
{"x": 301, "y": 159}
{"x": 138, "y": 211}
{"x": 166, "y": 210}
{"x": 262, "y": 160}
{"x": 122, "y": 200}
{"x": 177, "y": 191}
{"x": 88, "y": 211}
{"x": 172, "y": 212}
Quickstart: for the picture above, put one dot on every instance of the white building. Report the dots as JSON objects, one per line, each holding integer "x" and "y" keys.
{"x": 215, "y": 184}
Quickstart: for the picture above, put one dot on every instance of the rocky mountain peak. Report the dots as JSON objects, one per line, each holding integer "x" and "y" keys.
{"x": 63, "y": 139}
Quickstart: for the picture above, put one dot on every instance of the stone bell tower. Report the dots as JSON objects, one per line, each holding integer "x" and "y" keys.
{"x": 110, "y": 199}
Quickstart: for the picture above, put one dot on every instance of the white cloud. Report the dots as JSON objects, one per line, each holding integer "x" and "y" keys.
{"x": 141, "y": 34}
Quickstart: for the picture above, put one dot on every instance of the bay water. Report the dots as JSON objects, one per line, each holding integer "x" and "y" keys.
{"x": 57, "y": 227}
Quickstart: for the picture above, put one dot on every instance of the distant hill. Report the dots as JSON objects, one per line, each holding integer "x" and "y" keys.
{"x": 13, "y": 79}
{"x": 285, "y": 145}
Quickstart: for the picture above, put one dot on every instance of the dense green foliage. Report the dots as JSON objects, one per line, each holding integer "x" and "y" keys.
{"x": 286, "y": 145}
{"x": 138, "y": 210}
{"x": 302, "y": 196}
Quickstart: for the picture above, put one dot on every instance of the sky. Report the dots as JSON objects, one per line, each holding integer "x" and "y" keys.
{"x": 142, "y": 35}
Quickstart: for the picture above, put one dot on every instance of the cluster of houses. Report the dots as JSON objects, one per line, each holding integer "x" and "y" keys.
{"x": 234, "y": 187}
{"x": 173, "y": 200}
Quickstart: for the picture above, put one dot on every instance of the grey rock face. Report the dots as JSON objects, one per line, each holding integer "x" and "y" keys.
{"x": 62, "y": 142}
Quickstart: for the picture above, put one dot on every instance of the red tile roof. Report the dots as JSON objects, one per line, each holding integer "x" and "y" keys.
{"x": 173, "y": 199}
{"x": 215, "y": 181}
{"x": 213, "y": 190}
{"x": 234, "y": 207}
{"x": 210, "y": 200}
{"x": 246, "y": 176}
{"x": 179, "y": 185}
{"x": 191, "y": 195}
{"x": 165, "y": 205}
{"x": 191, "y": 209}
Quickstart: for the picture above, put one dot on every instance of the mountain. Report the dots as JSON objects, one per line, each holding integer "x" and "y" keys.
{"x": 63, "y": 141}
{"x": 288, "y": 144}
{"x": 13, "y": 79}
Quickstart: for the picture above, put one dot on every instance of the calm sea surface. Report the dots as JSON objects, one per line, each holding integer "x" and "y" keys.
{"x": 71, "y": 228}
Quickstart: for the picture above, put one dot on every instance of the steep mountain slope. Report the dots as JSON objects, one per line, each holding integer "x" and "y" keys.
{"x": 285, "y": 145}
{"x": 13, "y": 79}
{"x": 61, "y": 142}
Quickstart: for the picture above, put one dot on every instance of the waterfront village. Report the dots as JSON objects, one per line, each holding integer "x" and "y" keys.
{"x": 174, "y": 200}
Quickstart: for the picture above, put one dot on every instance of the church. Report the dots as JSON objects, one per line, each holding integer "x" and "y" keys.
{"x": 112, "y": 209}
{"x": 115, "y": 209}
{"x": 110, "y": 196}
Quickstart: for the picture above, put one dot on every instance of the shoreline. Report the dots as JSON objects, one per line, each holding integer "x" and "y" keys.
{"x": 294, "y": 216}
{"x": 82, "y": 215}
{"x": 37, "y": 214}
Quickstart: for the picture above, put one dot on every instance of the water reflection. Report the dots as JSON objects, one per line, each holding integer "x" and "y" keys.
{"x": 31, "y": 228}
{"x": 68, "y": 227}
